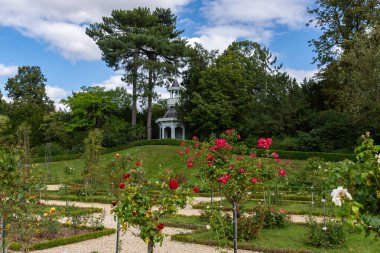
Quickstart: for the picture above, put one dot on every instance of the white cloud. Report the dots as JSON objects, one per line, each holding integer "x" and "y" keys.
{"x": 221, "y": 36}
{"x": 61, "y": 24}
{"x": 300, "y": 74}
{"x": 256, "y": 20}
{"x": 8, "y": 70}
{"x": 112, "y": 82}
{"x": 56, "y": 94}
{"x": 291, "y": 13}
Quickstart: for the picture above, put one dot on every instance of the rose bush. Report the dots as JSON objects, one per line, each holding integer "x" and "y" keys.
{"x": 361, "y": 180}
{"x": 235, "y": 176}
{"x": 138, "y": 208}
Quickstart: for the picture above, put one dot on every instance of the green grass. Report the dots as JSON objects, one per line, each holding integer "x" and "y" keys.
{"x": 155, "y": 158}
{"x": 292, "y": 238}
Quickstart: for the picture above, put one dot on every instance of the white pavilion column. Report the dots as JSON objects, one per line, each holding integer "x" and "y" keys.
{"x": 173, "y": 132}
{"x": 183, "y": 132}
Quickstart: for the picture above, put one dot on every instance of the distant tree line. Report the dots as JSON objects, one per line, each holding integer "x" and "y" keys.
{"x": 242, "y": 87}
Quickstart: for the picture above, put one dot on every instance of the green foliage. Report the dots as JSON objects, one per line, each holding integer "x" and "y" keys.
{"x": 299, "y": 155}
{"x": 340, "y": 22}
{"x": 29, "y": 100}
{"x": 139, "y": 209}
{"x": 93, "y": 146}
{"x": 333, "y": 234}
{"x": 270, "y": 217}
{"x": 93, "y": 107}
{"x": 362, "y": 179}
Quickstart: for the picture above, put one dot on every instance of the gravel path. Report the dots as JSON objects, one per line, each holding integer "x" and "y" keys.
{"x": 130, "y": 242}
{"x": 133, "y": 244}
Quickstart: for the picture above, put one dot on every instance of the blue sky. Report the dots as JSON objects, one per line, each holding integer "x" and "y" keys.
{"x": 50, "y": 34}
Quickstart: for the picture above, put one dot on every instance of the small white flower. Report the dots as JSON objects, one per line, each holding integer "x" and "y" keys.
{"x": 339, "y": 194}
{"x": 377, "y": 157}
{"x": 312, "y": 202}
{"x": 323, "y": 200}
{"x": 324, "y": 228}
{"x": 319, "y": 166}
{"x": 208, "y": 227}
{"x": 207, "y": 207}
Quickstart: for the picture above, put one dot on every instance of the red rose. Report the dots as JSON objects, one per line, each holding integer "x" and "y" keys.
{"x": 160, "y": 226}
{"x": 138, "y": 163}
{"x": 238, "y": 137}
{"x": 196, "y": 189}
{"x": 195, "y": 138}
{"x": 239, "y": 158}
{"x": 254, "y": 180}
{"x": 189, "y": 164}
{"x": 126, "y": 176}
{"x": 231, "y": 166}
{"x": 253, "y": 155}
{"x": 182, "y": 143}
{"x": 282, "y": 172}
{"x": 187, "y": 151}
{"x": 274, "y": 154}
{"x": 210, "y": 158}
{"x": 173, "y": 184}
{"x": 242, "y": 170}
{"x": 121, "y": 185}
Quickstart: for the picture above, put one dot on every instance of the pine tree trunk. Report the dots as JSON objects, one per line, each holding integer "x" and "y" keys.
{"x": 134, "y": 89}
{"x": 150, "y": 98}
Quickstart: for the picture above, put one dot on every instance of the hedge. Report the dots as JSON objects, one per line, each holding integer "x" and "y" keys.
{"x": 64, "y": 241}
{"x": 168, "y": 142}
{"x": 97, "y": 199}
{"x": 300, "y": 155}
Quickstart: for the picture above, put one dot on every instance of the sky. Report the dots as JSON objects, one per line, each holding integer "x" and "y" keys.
{"x": 51, "y": 34}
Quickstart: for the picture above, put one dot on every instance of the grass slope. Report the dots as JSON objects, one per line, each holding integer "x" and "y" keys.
{"x": 155, "y": 158}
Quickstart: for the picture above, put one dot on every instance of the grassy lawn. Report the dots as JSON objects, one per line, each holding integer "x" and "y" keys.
{"x": 155, "y": 158}
{"x": 293, "y": 237}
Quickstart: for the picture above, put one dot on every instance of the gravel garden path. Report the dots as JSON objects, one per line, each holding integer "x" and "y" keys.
{"x": 133, "y": 244}
{"x": 130, "y": 242}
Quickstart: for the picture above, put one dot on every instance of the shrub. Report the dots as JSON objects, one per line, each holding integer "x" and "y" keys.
{"x": 272, "y": 218}
{"x": 333, "y": 234}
